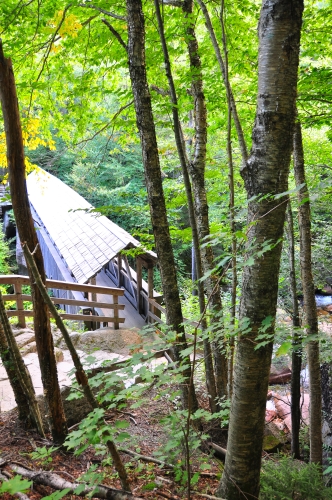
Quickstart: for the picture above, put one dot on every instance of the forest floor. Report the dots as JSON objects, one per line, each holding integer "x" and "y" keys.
{"x": 148, "y": 434}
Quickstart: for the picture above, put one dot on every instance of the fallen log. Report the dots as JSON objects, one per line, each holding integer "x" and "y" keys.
{"x": 281, "y": 378}
{"x": 58, "y": 483}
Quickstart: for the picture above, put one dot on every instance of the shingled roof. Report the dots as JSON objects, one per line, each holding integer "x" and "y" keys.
{"x": 85, "y": 241}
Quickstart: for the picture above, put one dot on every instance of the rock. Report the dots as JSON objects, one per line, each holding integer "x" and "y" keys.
{"x": 283, "y": 409}
{"x": 74, "y": 338}
{"x": 75, "y": 409}
{"x": 20, "y": 331}
{"x": 118, "y": 341}
{"x": 271, "y": 444}
{"x": 58, "y": 354}
{"x": 28, "y": 348}
{"x": 57, "y": 338}
{"x": 25, "y": 338}
{"x": 270, "y": 415}
{"x": 276, "y": 428}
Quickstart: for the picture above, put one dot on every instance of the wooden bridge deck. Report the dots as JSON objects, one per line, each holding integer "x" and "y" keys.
{"x": 132, "y": 318}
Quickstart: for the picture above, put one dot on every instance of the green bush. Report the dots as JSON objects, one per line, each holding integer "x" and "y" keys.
{"x": 288, "y": 479}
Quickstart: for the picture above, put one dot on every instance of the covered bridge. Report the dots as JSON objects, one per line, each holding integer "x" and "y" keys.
{"x": 82, "y": 246}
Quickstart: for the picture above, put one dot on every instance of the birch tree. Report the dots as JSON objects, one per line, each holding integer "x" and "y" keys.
{"x": 265, "y": 175}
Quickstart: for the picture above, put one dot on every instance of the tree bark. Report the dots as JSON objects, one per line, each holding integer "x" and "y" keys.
{"x": 197, "y": 174}
{"x": 21, "y": 398}
{"x": 231, "y": 200}
{"x": 209, "y": 371}
{"x": 310, "y": 308}
{"x": 296, "y": 342}
{"x": 145, "y": 124}
{"x": 27, "y": 233}
{"x": 222, "y": 66}
{"x": 21, "y": 370}
{"x": 265, "y": 175}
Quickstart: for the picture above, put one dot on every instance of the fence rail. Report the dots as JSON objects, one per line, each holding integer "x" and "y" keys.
{"x": 87, "y": 306}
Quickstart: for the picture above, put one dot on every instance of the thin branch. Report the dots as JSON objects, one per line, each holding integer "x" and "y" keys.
{"x": 103, "y": 11}
{"x": 160, "y": 91}
{"x": 107, "y": 124}
{"x": 173, "y": 3}
{"x": 116, "y": 34}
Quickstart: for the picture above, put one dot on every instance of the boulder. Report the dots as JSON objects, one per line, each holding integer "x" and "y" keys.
{"x": 28, "y": 348}
{"x": 62, "y": 344}
{"x": 25, "y": 338}
{"x": 120, "y": 341}
{"x": 58, "y": 354}
{"x": 20, "y": 331}
{"x": 75, "y": 409}
{"x": 271, "y": 444}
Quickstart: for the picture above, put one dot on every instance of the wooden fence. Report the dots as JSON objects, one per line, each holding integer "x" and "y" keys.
{"x": 88, "y": 306}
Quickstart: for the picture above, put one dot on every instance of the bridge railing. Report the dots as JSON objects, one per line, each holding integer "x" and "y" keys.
{"x": 87, "y": 306}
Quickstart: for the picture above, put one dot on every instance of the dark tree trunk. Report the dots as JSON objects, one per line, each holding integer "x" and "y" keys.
{"x": 27, "y": 233}
{"x": 297, "y": 349}
{"x": 145, "y": 124}
{"x": 310, "y": 308}
{"x": 21, "y": 398}
{"x": 197, "y": 173}
{"x": 266, "y": 173}
{"x": 209, "y": 372}
{"x": 223, "y": 69}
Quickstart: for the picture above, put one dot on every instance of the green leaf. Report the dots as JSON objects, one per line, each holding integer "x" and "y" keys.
{"x": 284, "y": 349}
{"x": 57, "y": 494}
{"x": 15, "y": 485}
{"x": 121, "y": 424}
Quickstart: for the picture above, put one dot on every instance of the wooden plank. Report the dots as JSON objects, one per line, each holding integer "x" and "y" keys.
{"x": 139, "y": 283}
{"x": 63, "y": 285}
{"x": 77, "y": 317}
{"x": 129, "y": 276}
{"x": 73, "y": 302}
{"x": 156, "y": 318}
{"x": 19, "y": 304}
{"x": 116, "y": 319}
{"x": 157, "y": 306}
{"x": 87, "y": 317}
{"x": 12, "y": 279}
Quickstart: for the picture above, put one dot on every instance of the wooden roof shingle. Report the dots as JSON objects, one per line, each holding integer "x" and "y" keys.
{"x": 86, "y": 241}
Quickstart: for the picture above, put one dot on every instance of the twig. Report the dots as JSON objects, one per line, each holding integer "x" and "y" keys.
{"x": 204, "y": 495}
{"x": 145, "y": 458}
{"x": 116, "y": 34}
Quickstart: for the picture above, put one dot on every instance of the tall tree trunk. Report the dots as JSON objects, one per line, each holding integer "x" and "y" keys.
{"x": 27, "y": 233}
{"x": 197, "y": 173}
{"x": 145, "y": 124}
{"x": 310, "y": 308}
{"x": 209, "y": 372}
{"x": 266, "y": 173}
{"x": 231, "y": 200}
{"x": 297, "y": 349}
{"x": 222, "y": 66}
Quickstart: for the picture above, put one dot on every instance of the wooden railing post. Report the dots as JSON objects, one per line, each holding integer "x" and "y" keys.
{"x": 139, "y": 283}
{"x": 19, "y": 305}
{"x": 119, "y": 270}
{"x": 150, "y": 289}
{"x": 116, "y": 312}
